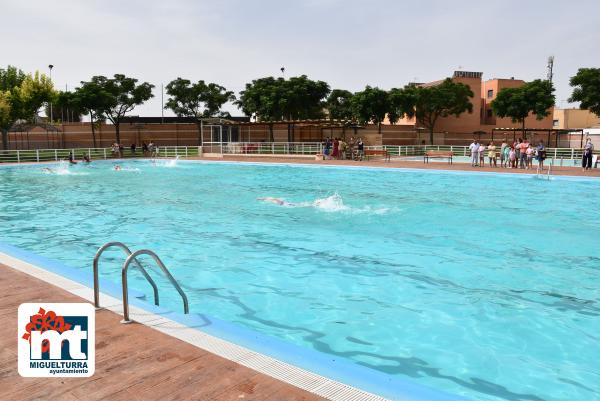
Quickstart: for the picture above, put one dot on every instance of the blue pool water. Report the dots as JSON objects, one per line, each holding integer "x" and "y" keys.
{"x": 475, "y": 284}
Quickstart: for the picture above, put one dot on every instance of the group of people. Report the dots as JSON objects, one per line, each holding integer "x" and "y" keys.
{"x": 519, "y": 154}
{"x": 149, "y": 149}
{"x": 86, "y": 158}
{"x": 339, "y": 149}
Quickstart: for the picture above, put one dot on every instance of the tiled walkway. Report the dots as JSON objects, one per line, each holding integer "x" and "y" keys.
{"x": 398, "y": 163}
{"x": 133, "y": 362}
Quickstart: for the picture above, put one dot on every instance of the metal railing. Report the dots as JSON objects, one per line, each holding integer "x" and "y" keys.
{"x": 46, "y": 155}
{"x": 247, "y": 148}
{"x": 265, "y": 148}
{"x": 131, "y": 258}
{"x": 419, "y": 150}
{"x": 137, "y": 263}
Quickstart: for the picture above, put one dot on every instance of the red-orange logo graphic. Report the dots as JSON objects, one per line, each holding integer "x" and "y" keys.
{"x": 44, "y": 321}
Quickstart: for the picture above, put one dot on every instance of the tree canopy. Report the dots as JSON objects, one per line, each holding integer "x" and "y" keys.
{"x": 370, "y": 105}
{"x": 91, "y": 99}
{"x": 116, "y": 97}
{"x": 586, "y": 89}
{"x": 66, "y": 107}
{"x": 197, "y": 100}
{"x": 535, "y": 97}
{"x": 446, "y": 99}
{"x": 339, "y": 105}
{"x": 278, "y": 99}
{"x": 269, "y": 99}
{"x": 21, "y": 97}
{"x": 401, "y": 102}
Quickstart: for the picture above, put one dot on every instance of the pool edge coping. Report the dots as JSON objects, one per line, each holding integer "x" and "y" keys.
{"x": 174, "y": 325}
{"x": 193, "y": 159}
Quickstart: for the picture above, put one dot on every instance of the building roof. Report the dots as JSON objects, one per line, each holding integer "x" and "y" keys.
{"x": 172, "y": 120}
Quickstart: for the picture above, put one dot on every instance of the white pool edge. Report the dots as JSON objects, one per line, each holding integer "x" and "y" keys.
{"x": 285, "y": 372}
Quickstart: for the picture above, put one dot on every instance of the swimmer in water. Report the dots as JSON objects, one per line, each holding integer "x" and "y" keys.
{"x": 276, "y": 201}
{"x": 48, "y": 170}
{"x": 117, "y": 168}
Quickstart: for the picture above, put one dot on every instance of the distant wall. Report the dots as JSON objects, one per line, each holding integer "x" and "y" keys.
{"x": 78, "y": 135}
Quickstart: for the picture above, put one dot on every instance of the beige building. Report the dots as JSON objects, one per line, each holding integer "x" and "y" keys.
{"x": 574, "y": 119}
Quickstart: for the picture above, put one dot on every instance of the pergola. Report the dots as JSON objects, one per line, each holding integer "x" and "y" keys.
{"x": 321, "y": 124}
{"x": 557, "y": 132}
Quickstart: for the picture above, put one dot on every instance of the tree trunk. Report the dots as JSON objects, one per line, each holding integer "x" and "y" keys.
{"x": 524, "y": 133}
{"x": 271, "y": 135}
{"x": 431, "y": 135}
{"x": 93, "y": 129}
{"x": 5, "y": 139}
{"x": 117, "y": 133}
{"x": 289, "y": 139}
{"x": 199, "y": 126}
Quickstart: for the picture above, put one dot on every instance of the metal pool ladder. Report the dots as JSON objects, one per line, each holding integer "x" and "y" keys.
{"x": 132, "y": 257}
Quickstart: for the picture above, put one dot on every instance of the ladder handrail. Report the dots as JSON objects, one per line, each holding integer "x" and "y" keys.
{"x": 138, "y": 264}
{"x": 164, "y": 269}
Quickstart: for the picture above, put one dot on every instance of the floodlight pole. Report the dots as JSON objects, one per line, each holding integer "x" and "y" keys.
{"x": 51, "y": 115}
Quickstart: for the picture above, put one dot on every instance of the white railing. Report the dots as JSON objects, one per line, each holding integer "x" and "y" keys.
{"x": 265, "y": 148}
{"x": 419, "y": 150}
{"x": 45, "y": 155}
{"x": 251, "y": 148}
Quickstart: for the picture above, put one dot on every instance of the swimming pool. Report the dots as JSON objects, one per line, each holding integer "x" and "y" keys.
{"x": 476, "y": 284}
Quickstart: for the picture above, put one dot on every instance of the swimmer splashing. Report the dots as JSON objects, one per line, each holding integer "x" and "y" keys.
{"x": 276, "y": 201}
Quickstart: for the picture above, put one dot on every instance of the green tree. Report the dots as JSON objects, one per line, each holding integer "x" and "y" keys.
{"x": 124, "y": 94}
{"x": 91, "y": 99}
{"x": 197, "y": 100}
{"x": 10, "y": 82}
{"x": 446, "y": 99}
{"x": 66, "y": 106}
{"x": 21, "y": 97}
{"x": 270, "y": 99}
{"x": 586, "y": 89}
{"x": 535, "y": 97}
{"x": 339, "y": 105}
{"x": 401, "y": 102}
{"x": 371, "y": 106}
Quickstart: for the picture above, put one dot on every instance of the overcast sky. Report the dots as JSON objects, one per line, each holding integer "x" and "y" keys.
{"x": 347, "y": 43}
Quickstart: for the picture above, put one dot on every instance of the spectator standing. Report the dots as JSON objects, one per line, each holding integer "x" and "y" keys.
{"x": 474, "y": 148}
{"x": 481, "y": 155}
{"x": 540, "y": 154}
{"x": 492, "y": 154}
{"x": 588, "y": 151}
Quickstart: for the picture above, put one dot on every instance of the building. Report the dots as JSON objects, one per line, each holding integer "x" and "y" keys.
{"x": 575, "y": 119}
{"x": 460, "y": 130}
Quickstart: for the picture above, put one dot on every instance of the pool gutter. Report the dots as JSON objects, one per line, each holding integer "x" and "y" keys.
{"x": 322, "y": 374}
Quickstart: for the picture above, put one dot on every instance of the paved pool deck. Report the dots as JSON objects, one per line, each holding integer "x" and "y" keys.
{"x": 399, "y": 163}
{"x": 133, "y": 362}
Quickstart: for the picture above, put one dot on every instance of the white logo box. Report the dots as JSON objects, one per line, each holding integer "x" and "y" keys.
{"x": 60, "y": 340}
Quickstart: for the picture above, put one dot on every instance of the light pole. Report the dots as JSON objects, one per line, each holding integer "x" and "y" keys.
{"x": 283, "y": 72}
{"x": 50, "y": 67}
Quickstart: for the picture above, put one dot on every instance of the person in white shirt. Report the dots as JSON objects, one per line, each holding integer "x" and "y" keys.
{"x": 481, "y": 155}
{"x": 474, "y": 148}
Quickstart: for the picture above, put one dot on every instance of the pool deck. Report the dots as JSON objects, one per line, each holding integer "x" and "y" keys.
{"x": 397, "y": 163}
{"x": 133, "y": 361}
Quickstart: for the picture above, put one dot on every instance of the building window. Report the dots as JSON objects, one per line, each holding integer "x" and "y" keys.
{"x": 555, "y": 123}
{"x": 490, "y": 113}
{"x": 490, "y": 93}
